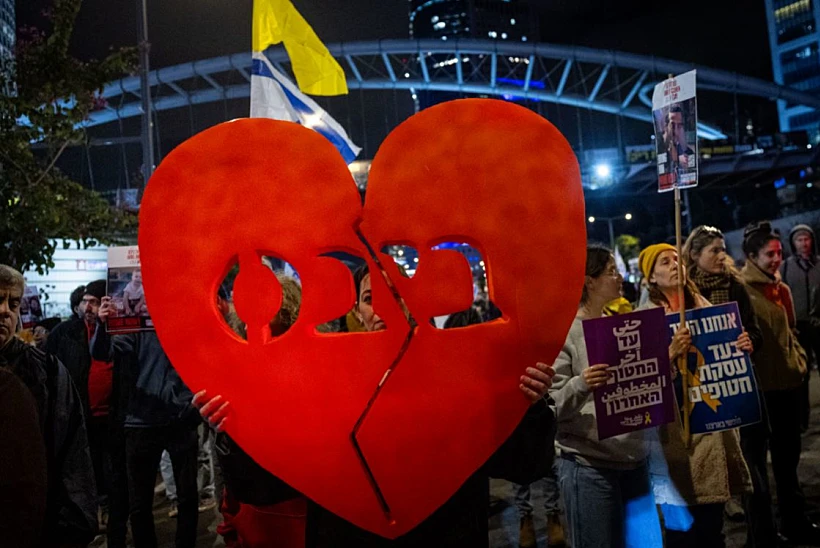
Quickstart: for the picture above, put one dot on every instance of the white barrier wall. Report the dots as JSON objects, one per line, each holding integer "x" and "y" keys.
{"x": 72, "y": 267}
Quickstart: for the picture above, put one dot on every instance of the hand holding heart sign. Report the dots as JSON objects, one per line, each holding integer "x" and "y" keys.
{"x": 394, "y": 419}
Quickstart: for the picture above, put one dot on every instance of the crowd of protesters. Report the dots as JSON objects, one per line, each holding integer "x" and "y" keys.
{"x": 90, "y": 418}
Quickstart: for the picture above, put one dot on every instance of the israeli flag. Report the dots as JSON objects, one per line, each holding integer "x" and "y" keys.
{"x": 274, "y": 96}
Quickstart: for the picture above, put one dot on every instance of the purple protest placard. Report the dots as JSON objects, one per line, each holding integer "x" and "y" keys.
{"x": 639, "y": 393}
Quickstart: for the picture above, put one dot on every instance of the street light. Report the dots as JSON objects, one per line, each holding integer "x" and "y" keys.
{"x": 609, "y": 221}
{"x": 603, "y": 171}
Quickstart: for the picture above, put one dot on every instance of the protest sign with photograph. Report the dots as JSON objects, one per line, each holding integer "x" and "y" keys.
{"x": 675, "y": 115}
{"x": 722, "y": 387}
{"x": 31, "y": 310}
{"x": 639, "y": 393}
{"x": 126, "y": 291}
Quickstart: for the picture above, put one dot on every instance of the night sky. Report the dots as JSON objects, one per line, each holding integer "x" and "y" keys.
{"x": 728, "y": 34}
{"x": 725, "y": 34}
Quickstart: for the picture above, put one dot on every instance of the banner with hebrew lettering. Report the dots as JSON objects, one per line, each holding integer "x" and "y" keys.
{"x": 638, "y": 394}
{"x": 722, "y": 384}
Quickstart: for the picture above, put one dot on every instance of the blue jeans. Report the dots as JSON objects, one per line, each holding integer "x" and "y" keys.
{"x": 551, "y": 495}
{"x": 605, "y": 507}
{"x": 167, "y": 472}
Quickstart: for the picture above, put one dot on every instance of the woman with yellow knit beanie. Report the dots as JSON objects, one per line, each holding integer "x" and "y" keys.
{"x": 691, "y": 484}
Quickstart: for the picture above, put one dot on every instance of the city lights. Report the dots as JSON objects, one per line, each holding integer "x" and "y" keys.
{"x": 603, "y": 170}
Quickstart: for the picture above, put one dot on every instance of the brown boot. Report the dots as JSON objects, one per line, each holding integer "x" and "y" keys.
{"x": 526, "y": 533}
{"x": 555, "y": 531}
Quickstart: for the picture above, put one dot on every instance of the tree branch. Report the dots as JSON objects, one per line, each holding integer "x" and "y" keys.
{"x": 51, "y": 164}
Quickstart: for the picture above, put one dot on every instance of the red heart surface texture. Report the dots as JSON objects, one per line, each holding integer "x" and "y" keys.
{"x": 439, "y": 402}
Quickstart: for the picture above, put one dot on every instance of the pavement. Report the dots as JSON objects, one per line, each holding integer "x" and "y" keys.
{"x": 504, "y": 515}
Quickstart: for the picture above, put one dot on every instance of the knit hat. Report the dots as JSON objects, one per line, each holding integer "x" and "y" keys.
{"x": 48, "y": 323}
{"x": 649, "y": 256}
{"x": 798, "y": 229}
{"x": 96, "y": 289}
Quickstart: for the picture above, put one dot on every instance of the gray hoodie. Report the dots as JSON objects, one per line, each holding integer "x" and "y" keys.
{"x": 802, "y": 275}
{"x": 575, "y": 412}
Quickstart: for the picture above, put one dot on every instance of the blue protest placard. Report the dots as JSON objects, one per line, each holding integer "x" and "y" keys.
{"x": 722, "y": 385}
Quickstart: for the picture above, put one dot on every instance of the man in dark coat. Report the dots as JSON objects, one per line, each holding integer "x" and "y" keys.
{"x": 801, "y": 272}
{"x": 70, "y": 518}
{"x": 158, "y": 416}
{"x": 94, "y": 379}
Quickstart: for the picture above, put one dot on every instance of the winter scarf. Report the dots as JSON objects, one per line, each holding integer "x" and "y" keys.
{"x": 715, "y": 287}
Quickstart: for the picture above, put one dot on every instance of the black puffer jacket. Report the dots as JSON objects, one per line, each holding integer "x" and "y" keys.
{"x": 71, "y": 503}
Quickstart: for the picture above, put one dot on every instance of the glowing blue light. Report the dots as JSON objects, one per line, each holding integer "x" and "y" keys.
{"x": 603, "y": 171}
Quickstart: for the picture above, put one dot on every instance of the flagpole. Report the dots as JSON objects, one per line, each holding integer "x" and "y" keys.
{"x": 682, "y": 359}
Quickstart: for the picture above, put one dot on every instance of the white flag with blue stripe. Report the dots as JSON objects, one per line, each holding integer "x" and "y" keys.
{"x": 274, "y": 96}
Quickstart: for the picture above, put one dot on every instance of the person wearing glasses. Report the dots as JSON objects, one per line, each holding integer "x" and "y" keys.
{"x": 714, "y": 274}
{"x": 780, "y": 364}
{"x": 604, "y": 483}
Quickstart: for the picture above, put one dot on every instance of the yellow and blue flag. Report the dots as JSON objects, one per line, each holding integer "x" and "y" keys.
{"x": 317, "y": 72}
{"x": 273, "y": 95}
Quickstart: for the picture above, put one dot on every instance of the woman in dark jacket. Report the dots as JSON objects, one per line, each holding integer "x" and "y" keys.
{"x": 711, "y": 269}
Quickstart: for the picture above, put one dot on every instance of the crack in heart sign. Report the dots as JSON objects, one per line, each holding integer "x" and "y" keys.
{"x": 485, "y": 172}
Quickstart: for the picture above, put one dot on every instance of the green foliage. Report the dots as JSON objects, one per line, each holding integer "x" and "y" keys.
{"x": 628, "y": 245}
{"x": 44, "y": 94}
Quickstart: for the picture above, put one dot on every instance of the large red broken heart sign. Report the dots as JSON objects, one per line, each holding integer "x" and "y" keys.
{"x": 485, "y": 172}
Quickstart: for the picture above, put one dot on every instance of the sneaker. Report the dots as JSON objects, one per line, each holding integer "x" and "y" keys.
{"x": 555, "y": 531}
{"x": 207, "y": 504}
{"x": 526, "y": 533}
{"x": 174, "y": 511}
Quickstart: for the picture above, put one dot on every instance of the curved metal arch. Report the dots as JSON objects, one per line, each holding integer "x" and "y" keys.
{"x": 600, "y": 80}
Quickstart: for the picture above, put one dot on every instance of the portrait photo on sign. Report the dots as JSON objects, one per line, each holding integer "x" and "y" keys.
{"x": 31, "y": 310}
{"x": 676, "y": 142}
{"x": 128, "y": 298}
{"x": 126, "y": 291}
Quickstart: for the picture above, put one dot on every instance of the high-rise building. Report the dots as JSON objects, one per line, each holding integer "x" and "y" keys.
{"x": 8, "y": 28}
{"x": 795, "y": 43}
{"x": 513, "y": 20}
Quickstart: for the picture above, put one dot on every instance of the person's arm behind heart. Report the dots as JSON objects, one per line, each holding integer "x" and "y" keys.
{"x": 212, "y": 409}
{"x": 536, "y": 381}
